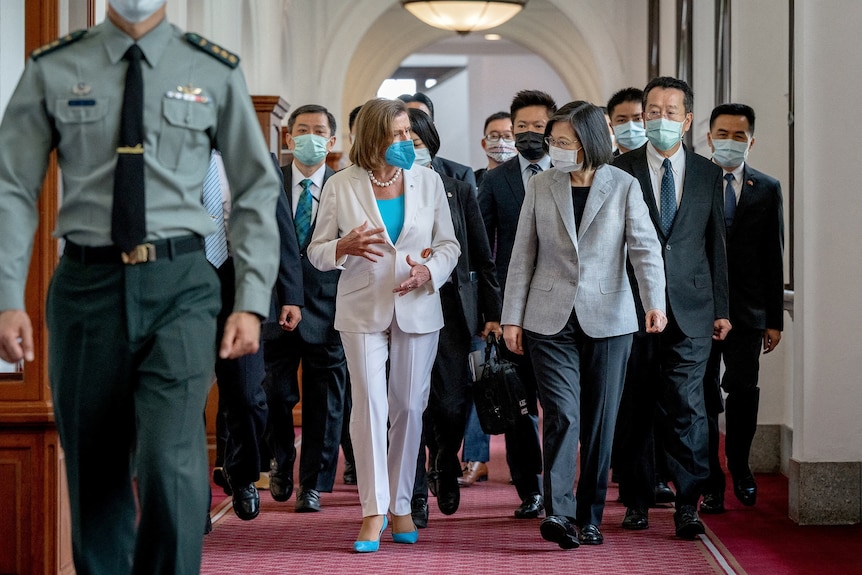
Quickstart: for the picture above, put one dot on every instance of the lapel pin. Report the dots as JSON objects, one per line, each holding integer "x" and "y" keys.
{"x": 750, "y": 182}
{"x": 81, "y": 89}
{"x": 426, "y": 253}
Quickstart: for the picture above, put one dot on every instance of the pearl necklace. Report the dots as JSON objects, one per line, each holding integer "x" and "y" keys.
{"x": 377, "y": 182}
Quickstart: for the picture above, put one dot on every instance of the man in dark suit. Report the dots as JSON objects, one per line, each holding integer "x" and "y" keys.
{"x": 683, "y": 193}
{"x": 471, "y": 305}
{"x": 755, "y": 258}
{"x": 440, "y": 165}
{"x": 500, "y": 198}
{"x": 242, "y": 405}
{"x": 315, "y": 343}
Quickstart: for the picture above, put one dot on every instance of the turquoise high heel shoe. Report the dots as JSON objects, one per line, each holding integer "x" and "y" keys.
{"x": 371, "y": 546}
{"x": 409, "y": 537}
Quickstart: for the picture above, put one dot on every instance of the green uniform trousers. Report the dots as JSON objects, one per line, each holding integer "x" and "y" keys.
{"x": 132, "y": 351}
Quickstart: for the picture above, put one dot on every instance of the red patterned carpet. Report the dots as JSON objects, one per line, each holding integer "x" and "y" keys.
{"x": 481, "y": 538}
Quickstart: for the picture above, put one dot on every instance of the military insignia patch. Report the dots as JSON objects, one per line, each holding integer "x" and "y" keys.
{"x": 57, "y": 44}
{"x": 228, "y": 58}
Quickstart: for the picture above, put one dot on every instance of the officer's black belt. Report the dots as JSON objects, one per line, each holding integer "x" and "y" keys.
{"x": 166, "y": 249}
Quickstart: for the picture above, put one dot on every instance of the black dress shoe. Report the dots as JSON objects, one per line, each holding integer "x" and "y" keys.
{"x": 419, "y": 512}
{"x": 745, "y": 490}
{"x": 433, "y": 478}
{"x": 349, "y": 473}
{"x": 712, "y": 504}
{"x": 590, "y": 535}
{"x": 246, "y": 502}
{"x": 635, "y": 519}
{"x": 688, "y": 525}
{"x": 559, "y": 530}
{"x": 663, "y": 493}
{"x": 280, "y": 486}
{"x": 220, "y": 479}
{"x": 307, "y": 500}
{"x": 448, "y": 493}
{"x": 531, "y": 507}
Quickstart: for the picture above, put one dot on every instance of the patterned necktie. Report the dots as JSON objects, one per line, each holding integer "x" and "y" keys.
{"x": 729, "y": 201}
{"x": 668, "y": 198}
{"x": 215, "y": 243}
{"x": 302, "y": 220}
{"x": 128, "y": 212}
{"x": 534, "y": 169}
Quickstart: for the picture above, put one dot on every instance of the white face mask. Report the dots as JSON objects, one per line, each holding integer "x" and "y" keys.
{"x": 135, "y": 11}
{"x": 564, "y": 160}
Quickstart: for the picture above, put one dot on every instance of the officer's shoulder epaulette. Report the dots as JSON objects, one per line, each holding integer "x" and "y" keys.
{"x": 228, "y": 58}
{"x": 57, "y": 44}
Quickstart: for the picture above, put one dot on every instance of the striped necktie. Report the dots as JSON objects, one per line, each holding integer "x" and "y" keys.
{"x": 215, "y": 243}
{"x": 668, "y": 198}
{"x": 302, "y": 220}
{"x": 534, "y": 169}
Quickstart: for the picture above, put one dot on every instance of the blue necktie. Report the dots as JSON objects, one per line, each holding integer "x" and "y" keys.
{"x": 729, "y": 201}
{"x": 534, "y": 169}
{"x": 302, "y": 220}
{"x": 668, "y": 198}
{"x": 215, "y": 244}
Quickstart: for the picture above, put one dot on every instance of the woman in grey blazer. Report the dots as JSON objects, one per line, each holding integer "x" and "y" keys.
{"x": 569, "y": 300}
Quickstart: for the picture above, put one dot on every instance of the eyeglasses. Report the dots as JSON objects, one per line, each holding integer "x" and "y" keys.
{"x": 494, "y": 138}
{"x": 656, "y": 114}
{"x": 563, "y": 144}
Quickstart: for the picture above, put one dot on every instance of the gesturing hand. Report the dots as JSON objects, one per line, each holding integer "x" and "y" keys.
{"x": 419, "y": 274}
{"x": 359, "y": 242}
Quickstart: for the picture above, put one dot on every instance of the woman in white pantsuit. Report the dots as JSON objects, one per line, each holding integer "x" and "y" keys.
{"x": 387, "y": 226}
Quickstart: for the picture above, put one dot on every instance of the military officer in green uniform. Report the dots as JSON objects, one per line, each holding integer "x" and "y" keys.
{"x": 132, "y": 331}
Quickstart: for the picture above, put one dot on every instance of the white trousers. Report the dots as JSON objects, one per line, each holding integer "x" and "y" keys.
{"x": 385, "y": 476}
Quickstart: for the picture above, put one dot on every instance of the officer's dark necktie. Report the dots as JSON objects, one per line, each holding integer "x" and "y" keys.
{"x": 215, "y": 244}
{"x": 302, "y": 220}
{"x": 534, "y": 169}
{"x": 729, "y": 201}
{"x": 128, "y": 214}
{"x": 668, "y": 198}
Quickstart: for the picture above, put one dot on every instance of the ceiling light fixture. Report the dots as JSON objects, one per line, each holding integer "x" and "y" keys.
{"x": 464, "y": 16}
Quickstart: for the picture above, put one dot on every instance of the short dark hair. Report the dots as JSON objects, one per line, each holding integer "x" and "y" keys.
{"x": 669, "y": 82}
{"x": 733, "y": 109}
{"x": 311, "y": 109}
{"x": 588, "y": 122}
{"x": 526, "y": 98}
{"x": 624, "y": 95}
{"x": 418, "y": 97}
{"x": 351, "y": 118}
{"x": 495, "y": 116}
{"x": 422, "y": 125}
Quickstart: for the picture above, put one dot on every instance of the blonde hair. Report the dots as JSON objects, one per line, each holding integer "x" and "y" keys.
{"x": 373, "y": 132}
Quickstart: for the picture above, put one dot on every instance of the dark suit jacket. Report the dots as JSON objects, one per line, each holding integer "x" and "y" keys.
{"x": 755, "y": 254}
{"x": 288, "y": 286}
{"x": 500, "y": 199}
{"x": 474, "y": 276}
{"x": 694, "y": 251}
{"x": 318, "y": 314}
{"x": 454, "y": 170}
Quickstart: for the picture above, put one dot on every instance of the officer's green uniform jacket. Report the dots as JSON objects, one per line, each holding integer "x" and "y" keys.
{"x": 195, "y": 98}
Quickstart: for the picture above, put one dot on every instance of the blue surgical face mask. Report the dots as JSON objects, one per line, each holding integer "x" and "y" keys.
{"x": 729, "y": 153}
{"x": 423, "y": 157}
{"x": 631, "y": 135}
{"x": 135, "y": 11}
{"x": 401, "y": 154}
{"x": 564, "y": 160}
{"x": 310, "y": 149}
{"x": 664, "y": 134}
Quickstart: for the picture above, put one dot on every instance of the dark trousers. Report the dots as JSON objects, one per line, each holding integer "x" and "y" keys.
{"x": 741, "y": 354}
{"x": 324, "y": 388}
{"x": 666, "y": 392}
{"x": 445, "y": 417}
{"x": 523, "y": 449}
{"x": 131, "y": 363}
{"x": 242, "y": 400}
{"x": 580, "y": 381}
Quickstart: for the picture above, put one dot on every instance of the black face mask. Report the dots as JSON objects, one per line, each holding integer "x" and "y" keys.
{"x": 531, "y": 145}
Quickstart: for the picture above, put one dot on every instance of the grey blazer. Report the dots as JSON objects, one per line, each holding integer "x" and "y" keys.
{"x": 556, "y": 269}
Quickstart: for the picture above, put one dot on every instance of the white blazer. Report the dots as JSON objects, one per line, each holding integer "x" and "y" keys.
{"x": 365, "y": 302}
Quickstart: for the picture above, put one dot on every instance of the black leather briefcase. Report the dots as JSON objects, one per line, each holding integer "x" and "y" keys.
{"x": 498, "y": 392}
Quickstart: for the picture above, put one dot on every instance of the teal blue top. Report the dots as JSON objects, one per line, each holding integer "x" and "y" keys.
{"x": 393, "y": 216}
